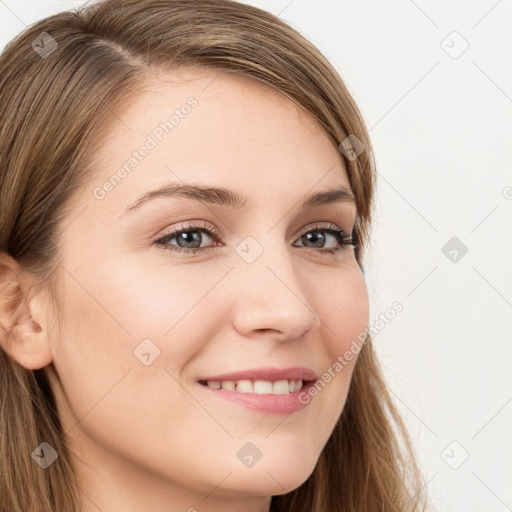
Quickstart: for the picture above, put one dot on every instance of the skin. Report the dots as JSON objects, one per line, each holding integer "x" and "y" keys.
{"x": 148, "y": 437}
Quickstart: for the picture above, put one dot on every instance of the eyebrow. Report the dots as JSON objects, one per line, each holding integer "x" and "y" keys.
{"x": 226, "y": 197}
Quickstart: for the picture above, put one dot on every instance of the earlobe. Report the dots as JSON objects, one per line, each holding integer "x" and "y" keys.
{"x": 22, "y": 336}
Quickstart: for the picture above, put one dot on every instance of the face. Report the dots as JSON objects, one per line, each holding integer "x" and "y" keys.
{"x": 160, "y": 295}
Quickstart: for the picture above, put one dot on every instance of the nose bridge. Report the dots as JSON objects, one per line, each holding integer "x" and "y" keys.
{"x": 271, "y": 295}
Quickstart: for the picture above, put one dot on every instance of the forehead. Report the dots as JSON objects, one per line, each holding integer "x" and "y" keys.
{"x": 207, "y": 126}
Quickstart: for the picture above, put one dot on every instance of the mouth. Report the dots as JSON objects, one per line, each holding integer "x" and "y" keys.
{"x": 258, "y": 387}
{"x": 280, "y": 397}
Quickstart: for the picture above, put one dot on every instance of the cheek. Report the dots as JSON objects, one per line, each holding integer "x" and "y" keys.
{"x": 343, "y": 305}
{"x": 109, "y": 330}
{"x": 94, "y": 346}
{"x": 104, "y": 389}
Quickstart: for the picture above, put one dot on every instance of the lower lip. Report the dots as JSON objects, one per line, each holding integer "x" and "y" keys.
{"x": 274, "y": 404}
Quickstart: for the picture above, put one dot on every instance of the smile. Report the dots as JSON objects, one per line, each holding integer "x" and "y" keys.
{"x": 258, "y": 387}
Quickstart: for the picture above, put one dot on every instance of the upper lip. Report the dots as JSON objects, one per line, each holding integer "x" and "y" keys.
{"x": 269, "y": 374}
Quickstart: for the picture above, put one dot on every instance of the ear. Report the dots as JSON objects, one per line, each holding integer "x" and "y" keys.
{"x": 23, "y": 331}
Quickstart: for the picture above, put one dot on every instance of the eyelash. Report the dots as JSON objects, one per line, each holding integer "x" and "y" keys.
{"x": 342, "y": 238}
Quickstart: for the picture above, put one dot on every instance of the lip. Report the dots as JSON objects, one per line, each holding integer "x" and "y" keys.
{"x": 270, "y": 404}
{"x": 270, "y": 373}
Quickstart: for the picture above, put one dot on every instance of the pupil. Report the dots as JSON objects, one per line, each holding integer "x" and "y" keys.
{"x": 187, "y": 238}
{"x": 319, "y": 238}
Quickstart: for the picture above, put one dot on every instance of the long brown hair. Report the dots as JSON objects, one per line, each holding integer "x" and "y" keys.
{"x": 59, "y": 81}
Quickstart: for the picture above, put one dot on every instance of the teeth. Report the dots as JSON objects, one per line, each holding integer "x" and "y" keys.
{"x": 282, "y": 387}
{"x": 244, "y": 386}
{"x": 228, "y": 385}
{"x": 262, "y": 387}
{"x": 259, "y": 387}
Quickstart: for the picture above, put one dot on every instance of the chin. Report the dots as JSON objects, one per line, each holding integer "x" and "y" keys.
{"x": 273, "y": 483}
{"x": 277, "y": 473}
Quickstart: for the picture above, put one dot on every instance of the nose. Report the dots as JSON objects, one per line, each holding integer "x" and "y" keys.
{"x": 271, "y": 298}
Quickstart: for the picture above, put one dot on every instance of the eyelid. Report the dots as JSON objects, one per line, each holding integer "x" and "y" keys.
{"x": 322, "y": 225}
{"x": 191, "y": 225}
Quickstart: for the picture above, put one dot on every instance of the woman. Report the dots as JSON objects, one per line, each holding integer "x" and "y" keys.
{"x": 187, "y": 190}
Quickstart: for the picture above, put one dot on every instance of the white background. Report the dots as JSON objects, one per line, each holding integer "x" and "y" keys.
{"x": 441, "y": 126}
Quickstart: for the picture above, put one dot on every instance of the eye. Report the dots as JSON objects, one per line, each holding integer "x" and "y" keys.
{"x": 317, "y": 236}
{"x": 189, "y": 238}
